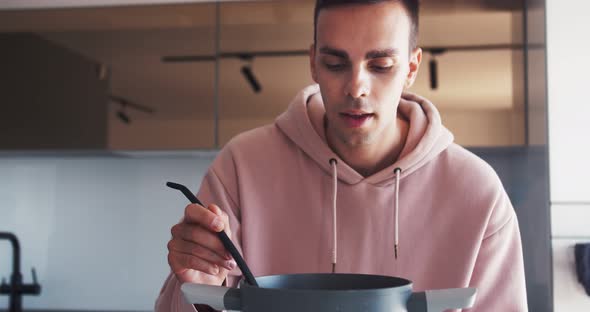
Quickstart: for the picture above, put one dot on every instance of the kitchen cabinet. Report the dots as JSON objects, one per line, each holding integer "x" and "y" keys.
{"x": 164, "y": 90}
{"x": 95, "y": 79}
{"x": 50, "y": 97}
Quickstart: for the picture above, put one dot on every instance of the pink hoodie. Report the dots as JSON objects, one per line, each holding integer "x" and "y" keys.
{"x": 290, "y": 214}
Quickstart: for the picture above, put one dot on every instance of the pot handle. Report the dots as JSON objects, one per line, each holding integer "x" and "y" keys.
{"x": 442, "y": 299}
{"x": 217, "y": 297}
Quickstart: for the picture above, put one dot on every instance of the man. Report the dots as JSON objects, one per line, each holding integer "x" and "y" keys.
{"x": 354, "y": 177}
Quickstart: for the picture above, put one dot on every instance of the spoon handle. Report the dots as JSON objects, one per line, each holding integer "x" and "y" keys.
{"x": 227, "y": 243}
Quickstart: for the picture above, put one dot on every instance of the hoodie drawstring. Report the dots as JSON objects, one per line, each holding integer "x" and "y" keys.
{"x": 333, "y": 163}
{"x": 397, "y": 172}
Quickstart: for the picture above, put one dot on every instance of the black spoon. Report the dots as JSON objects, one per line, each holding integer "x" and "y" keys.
{"x": 222, "y": 236}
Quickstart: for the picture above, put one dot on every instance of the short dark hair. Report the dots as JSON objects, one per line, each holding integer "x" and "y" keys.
{"x": 411, "y": 6}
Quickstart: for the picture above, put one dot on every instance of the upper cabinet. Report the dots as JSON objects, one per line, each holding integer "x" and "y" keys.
{"x": 479, "y": 70}
{"x": 50, "y": 97}
{"x": 273, "y": 39}
{"x": 96, "y": 78}
{"x": 193, "y": 75}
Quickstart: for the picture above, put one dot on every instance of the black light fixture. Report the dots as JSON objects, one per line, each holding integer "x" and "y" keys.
{"x": 124, "y": 103}
{"x": 249, "y": 74}
{"x": 123, "y": 116}
{"x": 433, "y": 68}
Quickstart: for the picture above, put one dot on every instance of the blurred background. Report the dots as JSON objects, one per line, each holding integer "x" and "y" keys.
{"x": 104, "y": 101}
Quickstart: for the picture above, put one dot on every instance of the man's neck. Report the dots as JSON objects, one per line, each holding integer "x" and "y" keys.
{"x": 369, "y": 159}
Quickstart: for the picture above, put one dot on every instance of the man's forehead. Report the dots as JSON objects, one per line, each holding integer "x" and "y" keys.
{"x": 364, "y": 11}
{"x": 372, "y": 27}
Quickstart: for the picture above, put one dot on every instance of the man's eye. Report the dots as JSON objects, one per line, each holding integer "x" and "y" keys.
{"x": 382, "y": 69}
{"x": 382, "y": 65}
{"x": 335, "y": 67}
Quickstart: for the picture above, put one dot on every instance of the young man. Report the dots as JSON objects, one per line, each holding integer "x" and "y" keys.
{"x": 354, "y": 177}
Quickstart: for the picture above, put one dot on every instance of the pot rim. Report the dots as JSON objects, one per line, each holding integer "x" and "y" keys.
{"x": 407, "y": 286}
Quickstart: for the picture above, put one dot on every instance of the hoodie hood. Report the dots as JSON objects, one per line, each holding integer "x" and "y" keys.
{"x": 302, "y": 122}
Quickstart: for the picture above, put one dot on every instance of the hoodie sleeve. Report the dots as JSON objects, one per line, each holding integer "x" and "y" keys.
{"x": 499, "y": 269}
{"x": 213, "y": 190}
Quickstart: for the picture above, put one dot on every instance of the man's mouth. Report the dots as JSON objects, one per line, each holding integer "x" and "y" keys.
{"x": 356, "y": 119}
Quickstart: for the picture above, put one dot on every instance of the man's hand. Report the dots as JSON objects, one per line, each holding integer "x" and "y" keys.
{"x": 195, "y": 252}
{"x": 409, "y": 96}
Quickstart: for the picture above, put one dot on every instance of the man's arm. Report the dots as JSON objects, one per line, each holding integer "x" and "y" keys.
{"x": 499, "y": 269}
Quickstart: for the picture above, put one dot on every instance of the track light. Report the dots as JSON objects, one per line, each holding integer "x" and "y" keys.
{"x": 252, "y": 81}
{"x": 122, "y": 114}
{"x": 123, "y": 117}
{"x": 433, "y": 68}
{"x": 248, "y": 73}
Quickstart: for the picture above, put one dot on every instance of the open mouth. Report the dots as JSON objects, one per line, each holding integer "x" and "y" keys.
{"x": 355, "y": 120}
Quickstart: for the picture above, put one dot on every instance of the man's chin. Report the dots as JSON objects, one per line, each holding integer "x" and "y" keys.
{"x": 358, "y": 139}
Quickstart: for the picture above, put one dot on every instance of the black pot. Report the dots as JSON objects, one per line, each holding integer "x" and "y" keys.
{"x": 328, "y": 292}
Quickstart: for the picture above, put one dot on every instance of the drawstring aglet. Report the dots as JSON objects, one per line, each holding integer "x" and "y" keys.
{"x": 395, "y": 249}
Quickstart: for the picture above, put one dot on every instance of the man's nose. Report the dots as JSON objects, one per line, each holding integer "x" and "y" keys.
{"x": 359, "y": 85}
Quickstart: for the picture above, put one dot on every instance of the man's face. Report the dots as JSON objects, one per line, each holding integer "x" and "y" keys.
{"x": 362, "y": 62}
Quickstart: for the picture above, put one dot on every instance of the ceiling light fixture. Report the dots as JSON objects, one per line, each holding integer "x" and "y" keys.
{"x": 123, "y": 116}
{"x": 249, "y": 75}
{"x": 124, "y": 103}
{"x": 433, "y": 67}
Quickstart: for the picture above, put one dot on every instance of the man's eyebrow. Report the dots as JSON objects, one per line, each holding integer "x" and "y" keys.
{"x": 334, "y": 52}
{"x": 381, "y": 53}
{"x": 370, "y": 55}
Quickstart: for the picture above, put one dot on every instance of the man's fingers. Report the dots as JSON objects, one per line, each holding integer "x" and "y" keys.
{"x": 193, "y": 249}
{"x": 180, "y": 262}
{"x": 197, "y": 214}
{"x": 200, "y": 236}
{"x": 215, "y": 209}
{"x": 413, "y": 97}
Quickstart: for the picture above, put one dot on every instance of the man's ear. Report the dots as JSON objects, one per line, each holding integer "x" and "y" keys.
{"x": 312, "y": 67}
{"x": 415, "y": 60}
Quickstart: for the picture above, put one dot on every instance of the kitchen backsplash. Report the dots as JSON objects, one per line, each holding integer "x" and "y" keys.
{"x": 95, "y": 228}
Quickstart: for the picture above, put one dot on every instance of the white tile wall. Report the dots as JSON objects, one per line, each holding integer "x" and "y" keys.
{"x": 570, "y": 220}
{"x": 569, "y": 105}
{"x": 569, "y": 152}
{"x": 95, "y": 228}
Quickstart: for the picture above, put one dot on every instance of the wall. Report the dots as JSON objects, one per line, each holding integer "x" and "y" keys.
{"x": 95, "y": 228}
{"x": 567, "y": 25}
